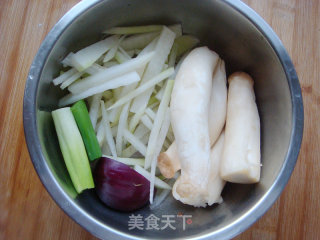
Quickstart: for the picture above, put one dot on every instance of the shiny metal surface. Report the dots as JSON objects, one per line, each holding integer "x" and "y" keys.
{"x": 244, "y": 41}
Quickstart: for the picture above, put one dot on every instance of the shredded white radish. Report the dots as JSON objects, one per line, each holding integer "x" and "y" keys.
{"x": 138, "y": 41}
{"x": 128, "y": 161}
{"x": 88, "y": 55}
{"x": 159, "y": 94}
{"x": 66, "y": 62}
{"x": 173, "y": 56}
{"x": 141, "y": 131}
{"x": 147, "y": 121}
{"x": 100, "y": 133}
{"x": 105, "y": 149}
{"x": 70, "y": 80}
{"x": 128, "y": 152}
{"x": 135, "y": 119}
{"x": 135, "y": 142}
{"x": 131, "y": 150}
{"x": 122, "y": 125}
{"x": 161, "y": 138}
{"x": 112, "y": 52}
{"x": 124, "y": 53}
{"x": 150, "y": 47}
{"x": 110, "y": 64}
{"x": 157, "y": 124}
{"x": 110, "y": 73}
{"x": 114, "y": 130}
{"x": 107, "y": 129}
{"x": 159, "y": 198}
{"x": 124, "y": 80}
{"x": 160, "y": 77}
{"x": 114, "y": 114}
{"x": 121, "y": 58}
{"x": 94, "y": 109}
{"x": 155, "y": 66}
{"x": 94, "y": 69}
{"x": 150, "y": 113}
{"x": 157, "y": 181}
{"x": 65, "y": 76}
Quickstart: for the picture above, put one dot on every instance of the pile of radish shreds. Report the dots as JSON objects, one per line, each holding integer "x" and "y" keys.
{"x": 127, "y": 79}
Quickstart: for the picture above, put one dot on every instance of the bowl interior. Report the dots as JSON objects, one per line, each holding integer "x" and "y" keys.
{"x": 243, "y": 47}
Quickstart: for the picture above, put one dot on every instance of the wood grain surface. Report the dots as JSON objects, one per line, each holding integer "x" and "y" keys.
{"x": 26, "y": 209}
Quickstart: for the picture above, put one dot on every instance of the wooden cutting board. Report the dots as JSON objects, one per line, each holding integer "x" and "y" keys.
{"x": 26, "y": 209}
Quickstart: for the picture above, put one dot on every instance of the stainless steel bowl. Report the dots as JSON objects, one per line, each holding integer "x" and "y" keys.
{"x": 246, "y": 43}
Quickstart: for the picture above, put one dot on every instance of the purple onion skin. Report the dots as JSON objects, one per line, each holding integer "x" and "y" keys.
{"x": 119, "y": 186}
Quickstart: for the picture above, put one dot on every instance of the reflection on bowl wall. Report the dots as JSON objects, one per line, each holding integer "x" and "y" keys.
{"x": 244, "y": 41}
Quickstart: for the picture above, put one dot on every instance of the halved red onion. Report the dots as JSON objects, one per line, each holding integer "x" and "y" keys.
{"x": 119, "y": 186}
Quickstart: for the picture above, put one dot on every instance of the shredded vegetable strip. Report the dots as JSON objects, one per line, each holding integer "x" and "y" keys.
{"x": 150, "y": 113}
{"x": 160, "y": 77}
{"x": 114, "y": 114}
{"x": 128, "y": 152}
{"x": 100, "y": 133}
{"x": 146, "y": 121}
{"x": 110, "y": 64}
{"x": 65, "y": 76}
{"x": 135, "y": 142}
{"x": 124, "y": 80}
{"x": 161, "y": 138}
{"x": 108, "y": 133}
{"x": 135, "y": 119}
{"x": 129, "y": 161}
{"x": 122, "y": 125}
{"x": 66, "y": 62}
{"x": 157, "y": 181}
{"x": 124, "y": 53}
{"x": 112, "y": 52}
{"x": 157, "y": 123}
{"x": 114, "y": 130}
{"x": 88, "y": 55}
{"x": 94, "y": 69}
{"x": 94, "y": 109}
{"x": 110, "y": 73}
{"x": 162, "y": 196}
{"x": 71, "y": 79}
{"x": 141, "y": 131}
{"x": 155, "y": 66}
{"x": 121, "y": 58}
{"x": 105, "y": 149}
{"x": 138, "y": 41}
